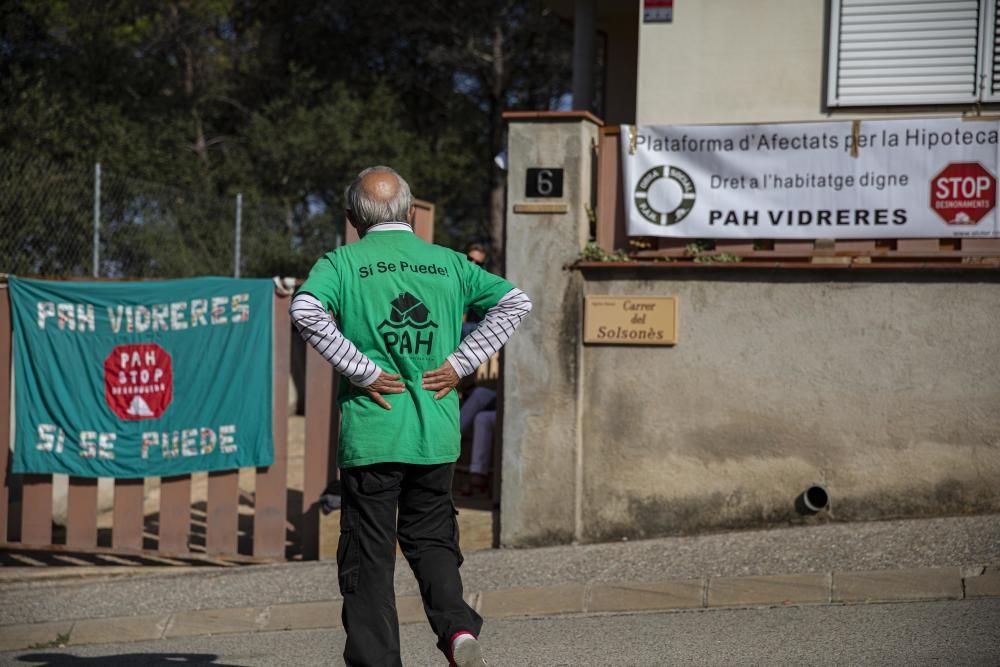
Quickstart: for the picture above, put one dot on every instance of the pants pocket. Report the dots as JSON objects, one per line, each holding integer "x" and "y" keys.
{"x": 348, "y": 553}
{"x": 455, "y": 535}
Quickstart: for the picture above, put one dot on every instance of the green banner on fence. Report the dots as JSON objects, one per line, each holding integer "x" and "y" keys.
{"x": 142, "y": 379}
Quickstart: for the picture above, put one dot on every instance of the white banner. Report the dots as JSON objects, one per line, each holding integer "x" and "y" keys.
{"x": 879, "y": 179}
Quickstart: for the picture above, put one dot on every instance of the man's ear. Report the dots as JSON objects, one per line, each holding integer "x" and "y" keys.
{"x": 353, "y": 223}
{"x": 411, "y": 215}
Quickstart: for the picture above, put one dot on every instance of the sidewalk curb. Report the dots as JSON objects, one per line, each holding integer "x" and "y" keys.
{"x": 947, "y": 583}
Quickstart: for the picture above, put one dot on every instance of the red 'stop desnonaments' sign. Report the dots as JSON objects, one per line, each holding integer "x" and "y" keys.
{"x": 138, "y": 381}
{"x": 963, "y": 193}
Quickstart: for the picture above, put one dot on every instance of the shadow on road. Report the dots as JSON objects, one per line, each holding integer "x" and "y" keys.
{"x": 127, "y": 660}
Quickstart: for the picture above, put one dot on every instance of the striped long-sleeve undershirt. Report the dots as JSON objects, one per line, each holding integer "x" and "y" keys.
{"x": 496, "y": 328}
{"x": 317, "y": 327}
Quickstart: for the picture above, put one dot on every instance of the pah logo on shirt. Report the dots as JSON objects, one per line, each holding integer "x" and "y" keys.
{"x": 408, "y": 312}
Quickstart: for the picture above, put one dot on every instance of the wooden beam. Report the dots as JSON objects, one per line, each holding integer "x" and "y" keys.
{"x": 127, "y": 520}
{"x": 222, "y": 513}
{"x": 322, "y": 435}
{"x": 271, "y": 499}
{"x": 611, "y": 221}
{"x": 36, "y": 510}
{"x": 175, "y": 515}
{"x": 423, "y": 220}
{"x": 81, "y": 512}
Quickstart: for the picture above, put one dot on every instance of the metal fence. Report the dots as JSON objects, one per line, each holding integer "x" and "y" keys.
{"x": 59, "y": 219}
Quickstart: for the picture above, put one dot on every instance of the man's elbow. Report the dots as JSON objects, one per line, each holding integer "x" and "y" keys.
{"x": 295, "y": 310}
{"x": 302, "y": 307}
{"x": 523, "y": 302}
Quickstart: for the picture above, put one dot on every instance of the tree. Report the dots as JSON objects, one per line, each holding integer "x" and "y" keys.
{"x": 186, "y": 102}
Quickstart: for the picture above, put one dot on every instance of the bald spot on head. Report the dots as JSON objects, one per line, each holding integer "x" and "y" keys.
{"x": 377, "y": 195}
{"x": 380, "y": 186}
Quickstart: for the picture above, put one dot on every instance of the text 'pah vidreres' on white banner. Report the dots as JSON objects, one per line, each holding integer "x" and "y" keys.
{"x": 933, "y": 178}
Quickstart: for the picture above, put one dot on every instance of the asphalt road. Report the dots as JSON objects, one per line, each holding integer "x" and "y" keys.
{"x": 913, "y": 634}
{"x": 845, "y": 547}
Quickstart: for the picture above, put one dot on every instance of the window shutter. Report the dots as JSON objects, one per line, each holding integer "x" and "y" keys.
{"x": 904, "y": 52}
{"x": 991, "y": 55}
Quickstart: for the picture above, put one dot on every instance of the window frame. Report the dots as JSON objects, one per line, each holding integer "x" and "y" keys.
{"x": 988, "y": 60}
{"x": 984, "y": 63}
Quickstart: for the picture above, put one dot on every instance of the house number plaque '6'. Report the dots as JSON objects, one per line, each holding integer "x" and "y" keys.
{"x": 544, "y": 182}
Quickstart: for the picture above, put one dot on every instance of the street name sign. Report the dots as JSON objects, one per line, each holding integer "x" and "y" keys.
{"x": 630, "y": 320}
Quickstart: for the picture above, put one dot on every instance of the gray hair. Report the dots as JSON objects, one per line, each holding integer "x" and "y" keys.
{"x": 366, "y": 211}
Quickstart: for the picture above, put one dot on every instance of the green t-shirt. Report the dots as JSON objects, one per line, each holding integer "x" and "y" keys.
{"x": 400, "y": 300}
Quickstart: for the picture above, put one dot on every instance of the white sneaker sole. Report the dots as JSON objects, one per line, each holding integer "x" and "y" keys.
{"x": 469, "y": 654}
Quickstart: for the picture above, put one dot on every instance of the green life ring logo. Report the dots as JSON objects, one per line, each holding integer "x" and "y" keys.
{"x": 665, "y": 208}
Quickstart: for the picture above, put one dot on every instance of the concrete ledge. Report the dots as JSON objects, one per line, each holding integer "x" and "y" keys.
{"x": 216, "y": 621}
{"x": 887, "y": 585}
{"x": 633, "y": 597}
{"x": 132, "y": 629}
{"x": 532, "y": 601}
{"x": 304, "y": 616}
{"x": 986, "y": 585}
{"x": 720, "y": 592}
{"x": 39, "y": 635}
{"x": 784, "y": 589}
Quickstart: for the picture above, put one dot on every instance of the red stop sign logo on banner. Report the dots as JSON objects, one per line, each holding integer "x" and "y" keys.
{"x": 138, "y": 381}
{"x": 963, "y": 193}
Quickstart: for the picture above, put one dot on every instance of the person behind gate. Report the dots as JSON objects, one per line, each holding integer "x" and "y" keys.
{"x": 395, "y": 338}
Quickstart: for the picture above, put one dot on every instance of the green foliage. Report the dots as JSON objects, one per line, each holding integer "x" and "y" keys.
{"x": 59, "y": 642}
{"x": 699, "y": 252}
{"x": 696, "y": 248}
{"x": 720, "y": 258}
{"x": 595, "y": 253}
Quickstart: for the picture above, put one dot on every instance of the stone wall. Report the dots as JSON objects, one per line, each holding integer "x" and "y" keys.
{"x": 540, "y": 425}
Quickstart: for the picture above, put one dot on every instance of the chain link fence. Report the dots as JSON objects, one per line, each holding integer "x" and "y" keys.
{"x": 80, "y": 220}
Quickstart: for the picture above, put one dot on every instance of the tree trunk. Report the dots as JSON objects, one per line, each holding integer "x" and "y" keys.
{"x": 199, "y": 145}
{"x": 498, "y": 176}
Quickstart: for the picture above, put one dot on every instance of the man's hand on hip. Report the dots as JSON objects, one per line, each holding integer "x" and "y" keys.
{"x": 442, "y": 379}
{"x": 386, "y": 383}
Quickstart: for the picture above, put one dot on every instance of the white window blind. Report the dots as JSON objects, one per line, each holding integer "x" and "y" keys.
{"x": 912, "y": 52}
{"x": 990, "y": 57}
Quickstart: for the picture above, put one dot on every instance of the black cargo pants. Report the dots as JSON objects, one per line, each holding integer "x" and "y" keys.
{"x": 427, "y": 529}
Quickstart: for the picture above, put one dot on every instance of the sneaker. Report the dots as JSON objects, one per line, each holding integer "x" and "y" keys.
{"x": 466, "y": 651}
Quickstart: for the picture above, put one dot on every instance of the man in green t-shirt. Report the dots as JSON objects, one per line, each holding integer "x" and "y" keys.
{"x": 387, "y": 313}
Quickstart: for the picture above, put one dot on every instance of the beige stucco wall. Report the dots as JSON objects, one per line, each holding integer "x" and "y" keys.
{"x": 541, "y": 436}
{"x": 884, "y": 387}
{"x": 733, "y": 61}
{"x": 746, "y": 61}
